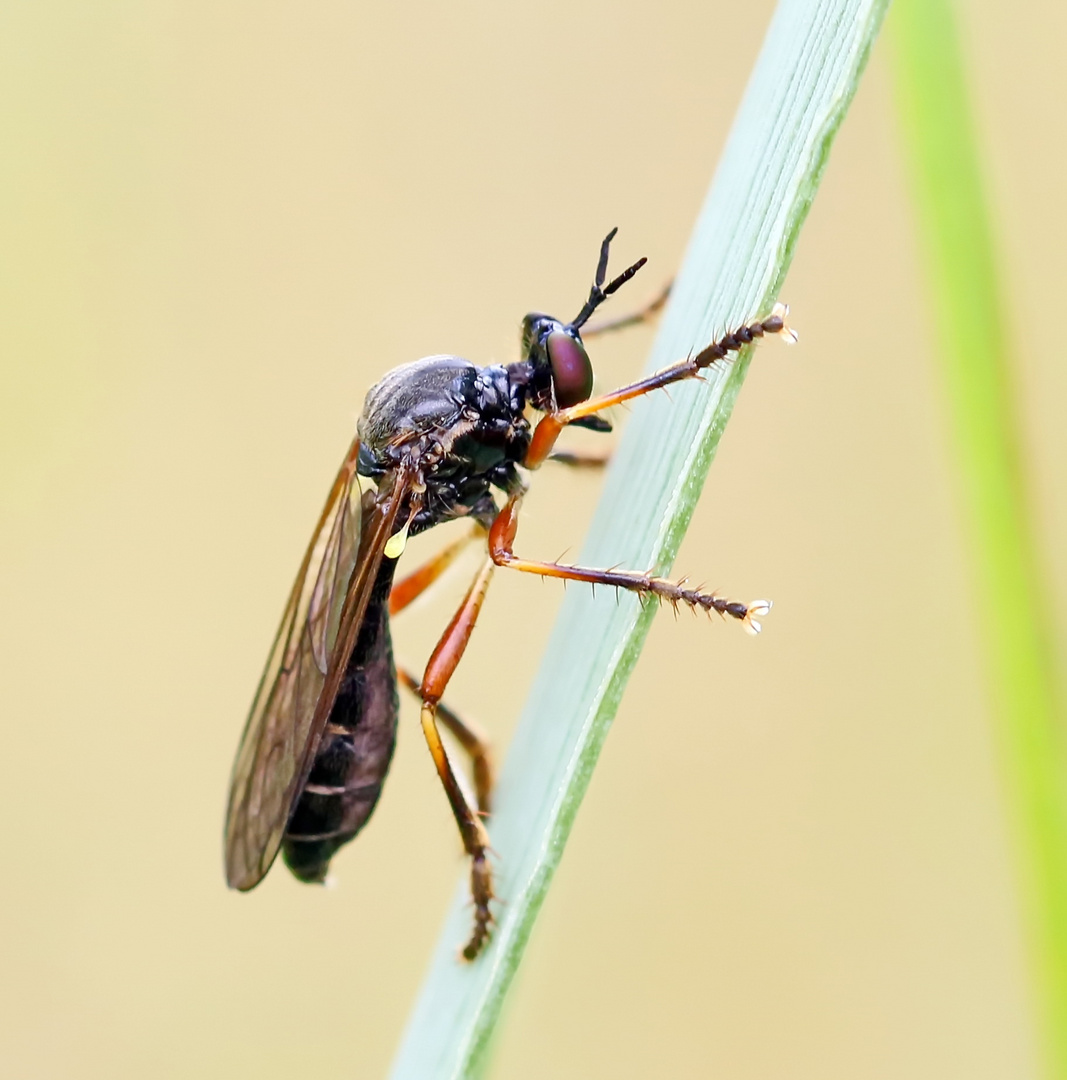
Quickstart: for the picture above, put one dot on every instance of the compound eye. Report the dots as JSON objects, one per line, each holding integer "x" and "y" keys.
{"x": 572, "y": 374}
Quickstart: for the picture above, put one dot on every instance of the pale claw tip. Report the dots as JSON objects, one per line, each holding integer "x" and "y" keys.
{"x": 787, "y": 333}
{"x": 756, "y": 611}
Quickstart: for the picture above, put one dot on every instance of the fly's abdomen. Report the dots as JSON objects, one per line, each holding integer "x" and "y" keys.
{"x": 356, "y": 748}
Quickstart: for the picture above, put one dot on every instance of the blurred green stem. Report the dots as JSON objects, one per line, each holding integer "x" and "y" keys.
{"x": 969, "y": 321}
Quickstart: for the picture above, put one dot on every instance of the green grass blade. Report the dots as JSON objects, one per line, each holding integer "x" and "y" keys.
{"x": 800, "y": 89}
{"x": 968, "y": 314}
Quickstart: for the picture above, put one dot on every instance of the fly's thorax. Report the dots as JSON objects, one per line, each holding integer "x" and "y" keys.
{"x": 413, "y": 400}
{"x": 457, "y": 422}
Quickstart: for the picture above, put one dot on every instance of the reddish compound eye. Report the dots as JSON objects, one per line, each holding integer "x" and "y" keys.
{"x": 572, "y": 374}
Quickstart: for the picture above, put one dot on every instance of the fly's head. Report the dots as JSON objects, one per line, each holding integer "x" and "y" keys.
{"x": 555, "y": 370}
{"x": 560, "y": 372}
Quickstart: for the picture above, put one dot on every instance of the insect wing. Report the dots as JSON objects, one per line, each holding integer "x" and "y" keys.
{"x": 289, "y": 710}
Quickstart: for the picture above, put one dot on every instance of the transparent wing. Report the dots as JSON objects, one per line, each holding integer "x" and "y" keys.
{"x": 303, "y": 673}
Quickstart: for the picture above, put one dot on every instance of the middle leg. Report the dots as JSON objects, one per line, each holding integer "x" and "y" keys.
{"x": 579, "y": 460}
{"x": 502, "y": 539}
{"x": 419, "y": 580}
{"x": 634, "y": 318}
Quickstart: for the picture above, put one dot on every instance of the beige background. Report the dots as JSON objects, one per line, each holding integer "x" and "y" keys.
{"x": 220, "y": 224}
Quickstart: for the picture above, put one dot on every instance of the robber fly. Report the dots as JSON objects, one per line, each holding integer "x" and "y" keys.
{"x": 435, "y": 438}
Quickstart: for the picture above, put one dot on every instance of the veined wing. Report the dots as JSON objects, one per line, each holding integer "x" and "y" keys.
{"x": 303, "y": 673}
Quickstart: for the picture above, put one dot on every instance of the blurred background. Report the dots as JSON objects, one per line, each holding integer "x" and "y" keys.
{"x": 220, "y": 224}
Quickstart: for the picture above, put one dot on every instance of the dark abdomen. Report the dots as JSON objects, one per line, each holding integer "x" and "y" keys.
{"x": 356, "y": 748}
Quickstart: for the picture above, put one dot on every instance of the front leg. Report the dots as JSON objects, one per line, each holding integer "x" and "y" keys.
{"x": 634, "y": 318}
{"x": 550, "y": 425}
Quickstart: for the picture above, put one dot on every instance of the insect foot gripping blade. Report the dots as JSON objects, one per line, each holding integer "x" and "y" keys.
{"x": 482, "y": 894}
